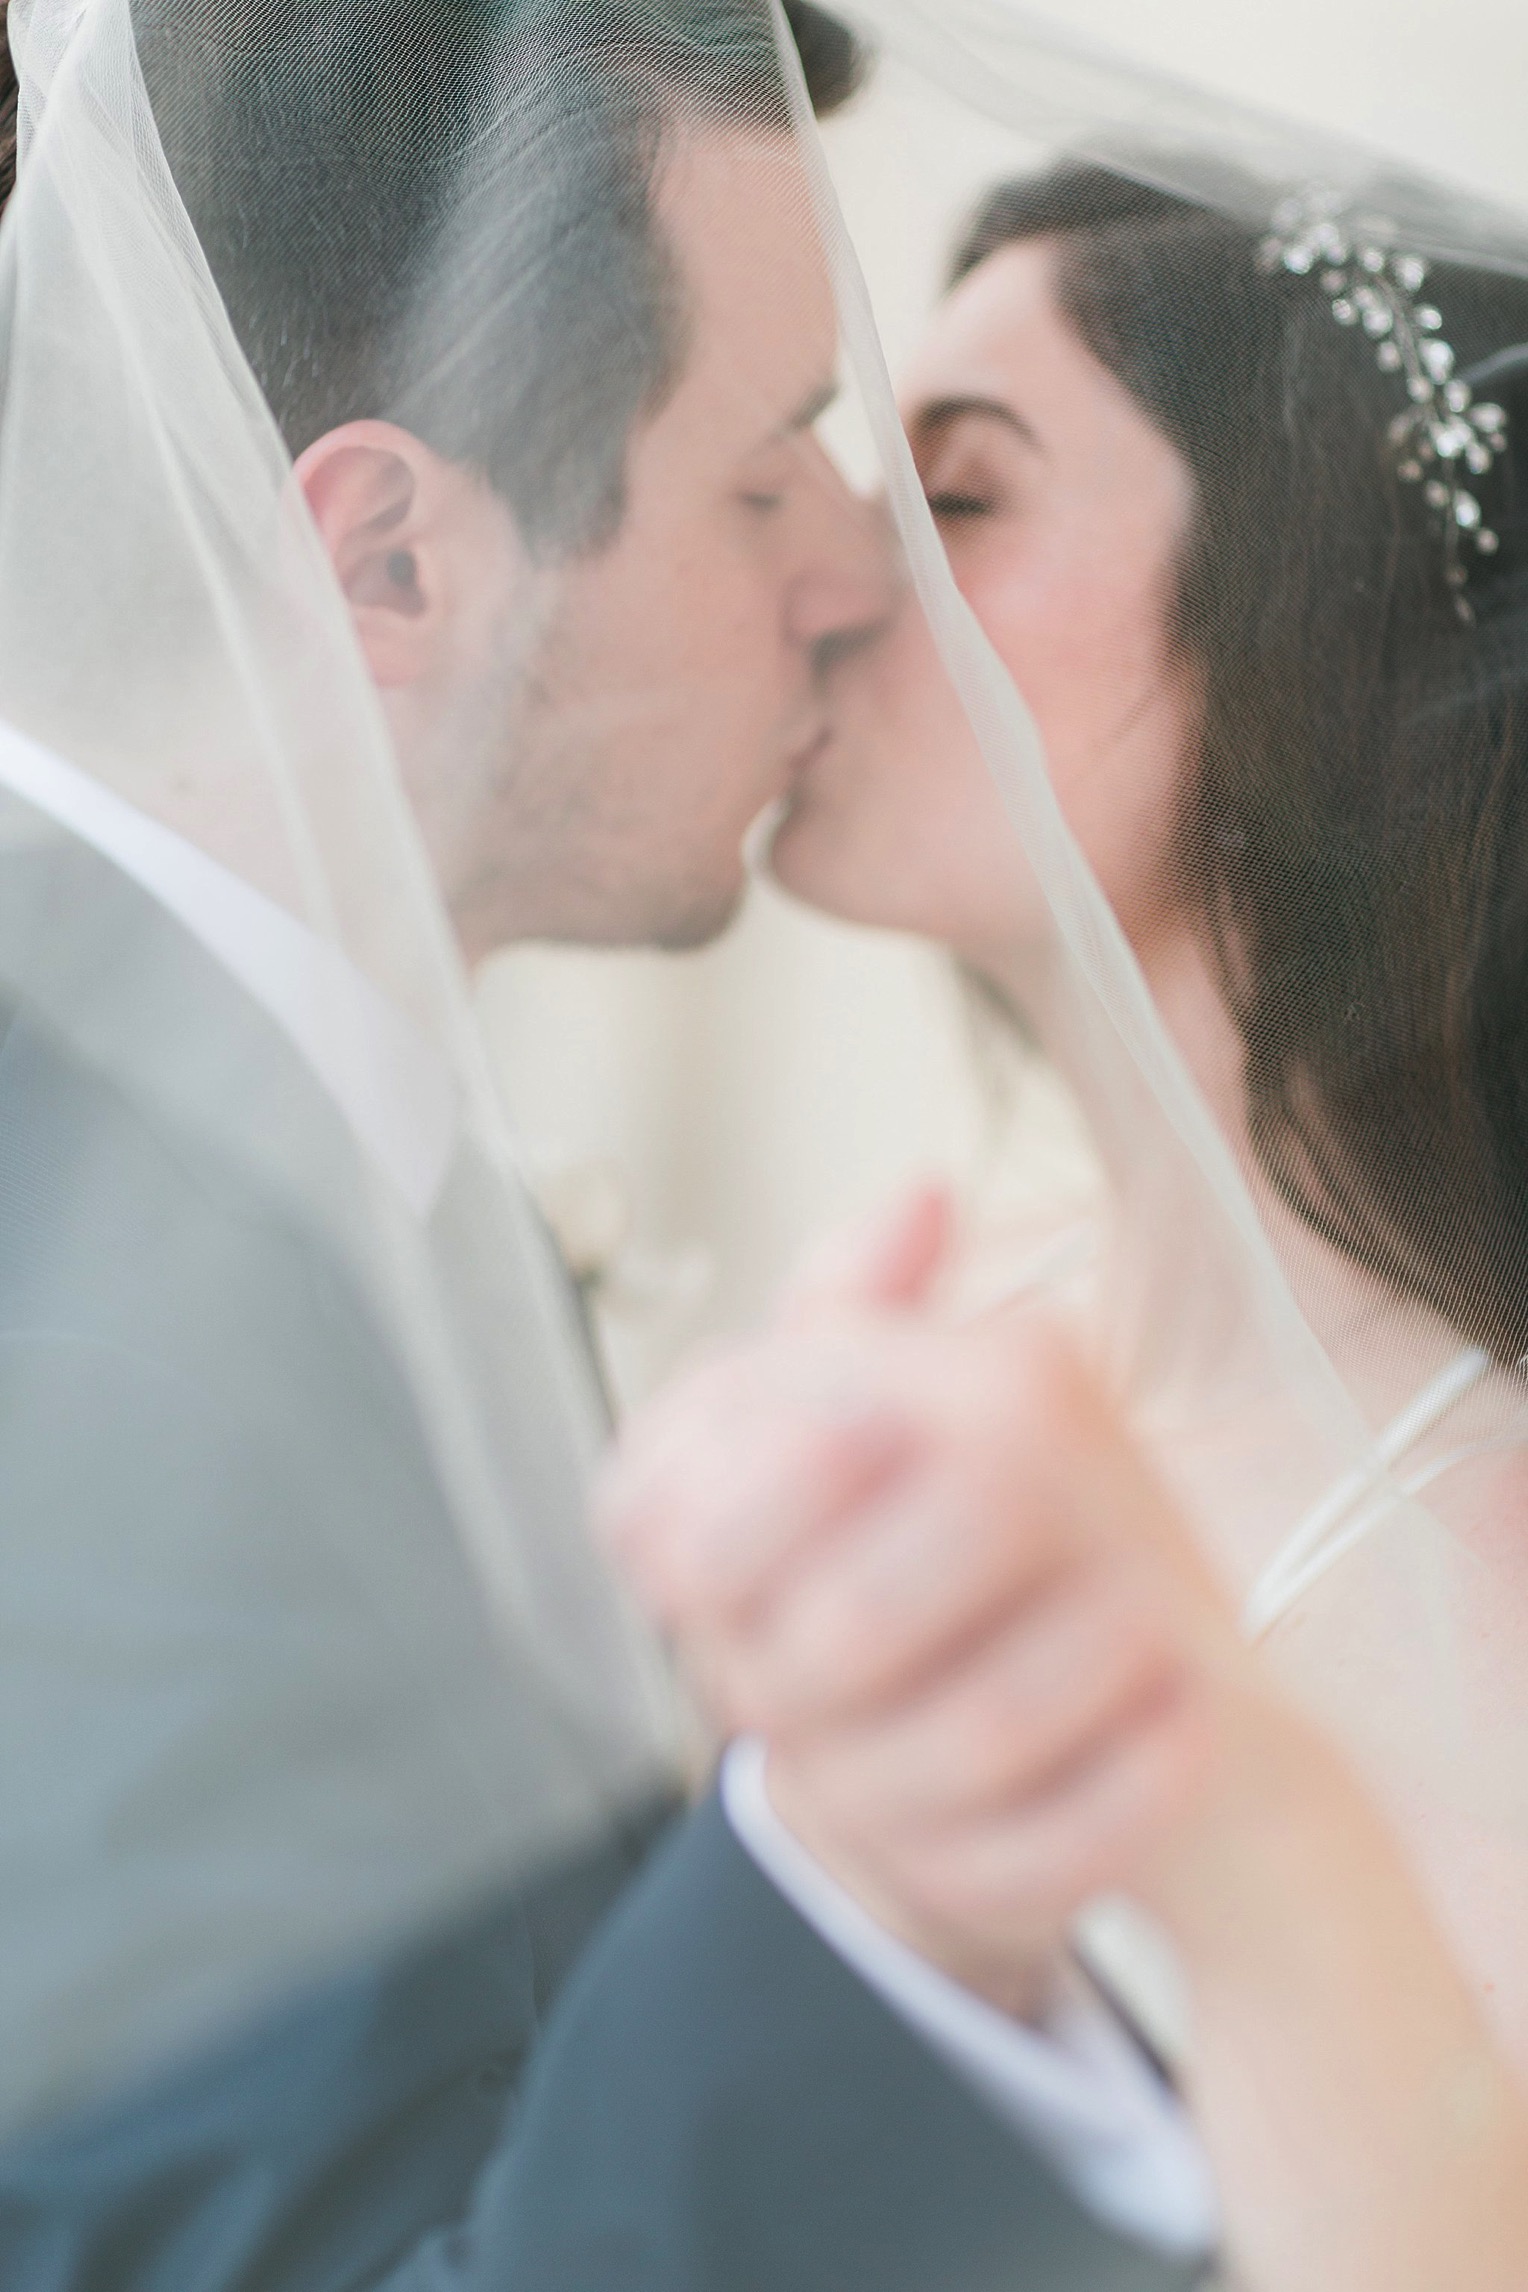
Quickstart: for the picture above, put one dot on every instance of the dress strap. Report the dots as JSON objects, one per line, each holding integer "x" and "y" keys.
{"x": 1360, "y": 1499}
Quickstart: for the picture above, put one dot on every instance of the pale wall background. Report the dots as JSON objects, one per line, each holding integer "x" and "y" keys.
{"x": 735, "y": 1103}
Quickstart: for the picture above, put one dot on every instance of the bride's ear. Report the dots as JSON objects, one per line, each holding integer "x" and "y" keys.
{"x": 390, "y": 514}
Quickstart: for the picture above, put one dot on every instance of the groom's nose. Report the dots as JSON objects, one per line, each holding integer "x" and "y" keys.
{"x": 844, "y": 581}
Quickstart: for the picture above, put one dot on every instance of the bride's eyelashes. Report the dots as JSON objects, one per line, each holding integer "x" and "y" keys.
{"x": 967, "y": 450}
{"x": 961, "y": 487}
{"x": 950, "y": 502}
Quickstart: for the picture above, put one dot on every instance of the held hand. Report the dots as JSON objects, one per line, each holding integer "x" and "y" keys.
{"x": 930, "y": 1567}
{"x": 927, "y": 1566}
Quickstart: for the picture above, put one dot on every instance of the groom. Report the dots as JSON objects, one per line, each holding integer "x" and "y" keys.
{"x": 621, "y": 456}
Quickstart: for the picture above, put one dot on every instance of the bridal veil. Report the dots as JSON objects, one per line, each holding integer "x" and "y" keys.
{"x": 1306, "y": 1267}
{"x": 240, "y": 228}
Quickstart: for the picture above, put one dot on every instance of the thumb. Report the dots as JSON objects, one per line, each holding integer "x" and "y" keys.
{"x": 887, "y": 1263}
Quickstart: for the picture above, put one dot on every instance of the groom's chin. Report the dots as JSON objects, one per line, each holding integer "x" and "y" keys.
{"x": 696, "y": 919}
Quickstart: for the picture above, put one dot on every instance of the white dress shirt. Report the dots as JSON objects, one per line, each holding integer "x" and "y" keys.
{"x": 395, "y": 1090}
{"x": 1079, "y": 2090}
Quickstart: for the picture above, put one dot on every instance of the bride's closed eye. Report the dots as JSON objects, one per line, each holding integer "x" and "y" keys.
{"x": 961, "y": 486}
{"x": 947, "y": 502}
{"x": 969, "y": 456}
{"x": 964, "y": 482}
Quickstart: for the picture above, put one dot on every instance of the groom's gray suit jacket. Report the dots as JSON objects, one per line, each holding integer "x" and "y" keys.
{"x": 713, "y": 2104}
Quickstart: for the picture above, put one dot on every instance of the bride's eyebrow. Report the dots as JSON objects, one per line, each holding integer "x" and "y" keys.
{"x": 931, "y": 420}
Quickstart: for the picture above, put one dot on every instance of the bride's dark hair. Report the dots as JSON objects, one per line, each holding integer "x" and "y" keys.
{"x": 8, "y": 94}
{"x": 1355, "y": 834}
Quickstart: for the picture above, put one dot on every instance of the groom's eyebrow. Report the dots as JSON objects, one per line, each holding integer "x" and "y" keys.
{"x": 940, "y": 413}
{"x": 810, "y": 411}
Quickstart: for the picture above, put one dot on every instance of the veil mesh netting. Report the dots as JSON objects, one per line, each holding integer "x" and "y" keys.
{"x": 543, "y": 301}
{"x": 1221, "y": 431}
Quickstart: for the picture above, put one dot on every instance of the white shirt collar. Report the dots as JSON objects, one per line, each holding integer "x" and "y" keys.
{"x": 395, "y": 1090}
{"x": 1078, "y": 2089}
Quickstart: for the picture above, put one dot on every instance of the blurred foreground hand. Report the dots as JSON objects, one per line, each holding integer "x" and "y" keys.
{"x": 926, "y": 1564}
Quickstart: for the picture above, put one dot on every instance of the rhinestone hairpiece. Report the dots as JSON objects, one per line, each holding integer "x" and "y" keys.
{"x": 1444, "y": 437}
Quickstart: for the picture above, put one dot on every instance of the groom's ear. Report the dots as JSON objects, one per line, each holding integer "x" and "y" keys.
{"x": 404, "y": 529}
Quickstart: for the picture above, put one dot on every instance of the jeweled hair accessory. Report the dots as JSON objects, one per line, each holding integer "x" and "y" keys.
{"x": 1444, "y": 438}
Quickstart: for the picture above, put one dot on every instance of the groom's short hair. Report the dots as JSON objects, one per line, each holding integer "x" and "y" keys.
{"x": 441, "y": 212}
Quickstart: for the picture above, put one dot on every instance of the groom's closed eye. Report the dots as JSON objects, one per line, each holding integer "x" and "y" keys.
{"x": 817, "y": 402}
{"x": 790, "y": 457}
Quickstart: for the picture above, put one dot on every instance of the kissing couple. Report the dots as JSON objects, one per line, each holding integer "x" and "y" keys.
{"x": 416, "y": 536}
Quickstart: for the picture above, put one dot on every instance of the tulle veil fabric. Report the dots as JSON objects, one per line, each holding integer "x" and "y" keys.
{"x": 171, "y": 631}
{"x": 398, "y": 1715}
{"x": 1347, "y": 1433}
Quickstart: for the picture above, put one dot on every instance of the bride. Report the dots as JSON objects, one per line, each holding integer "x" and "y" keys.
{"x": 1241, "y": 513}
